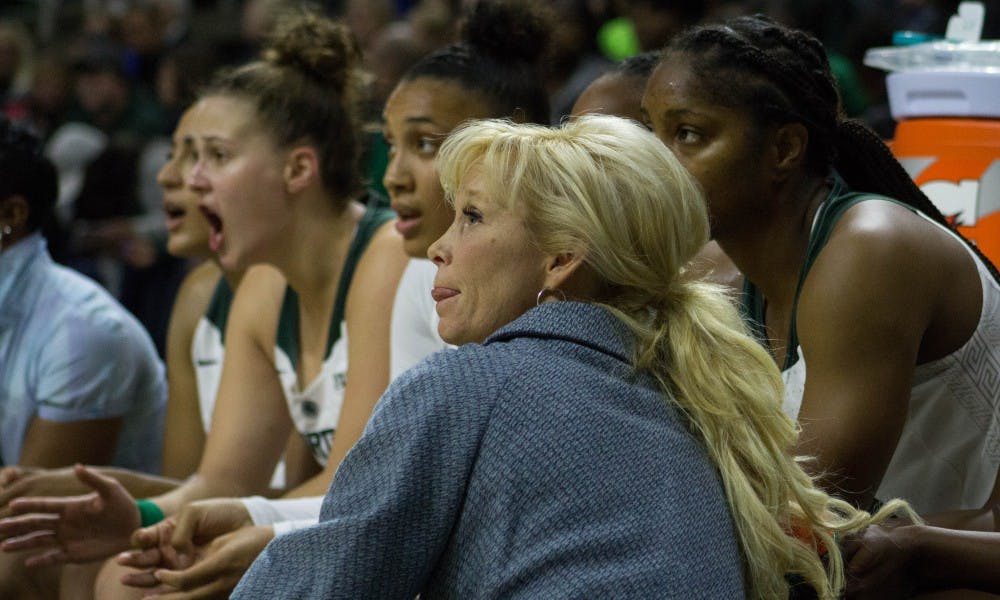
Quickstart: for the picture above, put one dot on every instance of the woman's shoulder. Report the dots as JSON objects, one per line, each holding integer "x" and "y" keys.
{"x": 877, "y": 233}
{"x": 199, "y": 285}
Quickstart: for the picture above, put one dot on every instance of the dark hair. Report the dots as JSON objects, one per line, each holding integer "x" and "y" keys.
{"x": 640, "y": 65}
{"x": 308, "y": 85}
{"x": 781, "y": 75}
{"x": 26, "y": 172}
{"x": 497, "y": 57}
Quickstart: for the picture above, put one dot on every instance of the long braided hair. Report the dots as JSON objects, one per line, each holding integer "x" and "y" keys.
{"x": 781, "y": 75}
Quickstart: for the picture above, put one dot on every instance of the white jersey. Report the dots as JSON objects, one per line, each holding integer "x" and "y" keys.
{"x": 414, "y": 318}
{"x": 315, "y": 406}
{"x": 949, "y": 449}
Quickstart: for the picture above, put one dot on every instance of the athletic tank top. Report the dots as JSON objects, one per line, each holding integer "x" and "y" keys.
{"x": 315, "y": 409}
{"x": 208, "y": 349}
{"x": 949, "y": 449}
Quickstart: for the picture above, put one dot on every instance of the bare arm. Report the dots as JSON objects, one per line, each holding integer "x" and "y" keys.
{"x": 50, "y": 444}
{"x": 184, "y": 436}
{"x": 862, "y": 314}
{"x": 300, "y": 464}
{"x": 250, "y": 422}
{"x": 368, "y": 314}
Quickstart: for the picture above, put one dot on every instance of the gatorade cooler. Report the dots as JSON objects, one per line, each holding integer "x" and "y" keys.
{"x": 946, "y": 98}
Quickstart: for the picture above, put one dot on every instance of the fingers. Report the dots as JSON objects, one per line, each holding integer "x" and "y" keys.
{"x": 9, "y": 475}
{"x": 44, "y": 504}
{"x": 50, "y": 558}
{"x": 25, "y": 524}
{"x": 185, "y": 529}
{"x": 31, "y": 541}
{"x": 15, "y": 482}
{"x": 140, "y": 579}
{"x": 141, "y": 559}
{"x": 154, "y": 535}
{"x": 104, "y": 486}
{"x": 210, "y": 568}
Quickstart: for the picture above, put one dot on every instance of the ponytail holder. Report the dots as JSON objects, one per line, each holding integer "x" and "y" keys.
{"x": 149, "y": 512}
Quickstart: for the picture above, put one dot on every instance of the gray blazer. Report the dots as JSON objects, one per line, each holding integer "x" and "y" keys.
{"x": 534, "y": 465}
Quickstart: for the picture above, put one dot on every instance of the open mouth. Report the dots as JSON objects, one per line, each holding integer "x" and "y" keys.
{"x": 408, "y": 220}
{"x": 215, "y": 237}
{"x": 173, "y": 211}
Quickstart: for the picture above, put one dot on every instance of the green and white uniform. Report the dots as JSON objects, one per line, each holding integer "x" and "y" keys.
{"x": 208, "y": 349}
{"x": 315, "y": 409}
{"x": 949, "y": 450}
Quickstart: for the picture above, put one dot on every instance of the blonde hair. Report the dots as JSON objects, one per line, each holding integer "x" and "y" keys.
{"x": 605, "y": 187}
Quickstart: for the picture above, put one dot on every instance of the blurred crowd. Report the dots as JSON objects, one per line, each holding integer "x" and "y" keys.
{"x": 105, "y": 81}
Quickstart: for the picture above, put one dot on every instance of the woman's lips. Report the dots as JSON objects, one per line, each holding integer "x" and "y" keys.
{"x": 406, "y": 226}
{"x": 174, "y": 215}
{"x": 443, "y": 293}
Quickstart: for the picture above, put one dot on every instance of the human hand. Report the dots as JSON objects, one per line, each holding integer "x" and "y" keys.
{"x": 173, "y": 543}
{"x": 217, "y": 569}
{"x": 16, "y": 482}
{"x": 74, "y": 529}
{"x": 12, "y": 473}
{"x": 881, "y": 562}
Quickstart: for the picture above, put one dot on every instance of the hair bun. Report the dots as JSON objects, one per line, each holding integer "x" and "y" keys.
{"x": 506, "y": 31}
{"x": 318, "y": 48}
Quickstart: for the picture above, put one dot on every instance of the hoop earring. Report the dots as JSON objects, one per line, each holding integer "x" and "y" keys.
{"x": 4, "y": 231}
{"x": 541, "y": 292}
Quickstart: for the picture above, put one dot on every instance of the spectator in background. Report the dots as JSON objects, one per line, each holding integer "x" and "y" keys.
{"x": 572, "y": 58}
{"x": 108, "y": 100}
{"x": 141, "y": 31}
{"x": 657, "y": 22}
{"x": 366, "y": 18}
{"x": 50, "y": 93}
{"x": 436, "y": 22}
{"x": 15, "y": 70}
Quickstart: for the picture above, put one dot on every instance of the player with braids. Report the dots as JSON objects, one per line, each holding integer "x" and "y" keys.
{"x": 307, "y": 339}
{"x": 849, "y": 269}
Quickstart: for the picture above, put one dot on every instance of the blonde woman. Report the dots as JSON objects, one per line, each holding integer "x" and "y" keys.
{"x": 607, "y": 428}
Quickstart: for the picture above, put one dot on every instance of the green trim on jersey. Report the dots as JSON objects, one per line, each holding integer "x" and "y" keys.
{"x": 837, "y": 202}
{"x": 217, "y": 312}
{"x": 288, "y": 325}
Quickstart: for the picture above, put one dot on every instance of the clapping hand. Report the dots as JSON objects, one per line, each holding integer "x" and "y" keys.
{"x": 74, "y": 529}
{"x": 201, "y": 552}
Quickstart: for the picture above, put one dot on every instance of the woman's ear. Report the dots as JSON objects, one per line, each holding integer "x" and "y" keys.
{"x": 301, "y": 169}
{"x": 568, "y": 273}
{"x": 790, "y": 144}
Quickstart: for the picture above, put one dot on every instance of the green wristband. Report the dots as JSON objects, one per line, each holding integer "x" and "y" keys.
{"x": 149, "y": 512}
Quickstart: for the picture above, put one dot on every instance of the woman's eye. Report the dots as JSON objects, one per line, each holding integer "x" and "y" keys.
{"x": 686, "y": 135}
{"x": 427, "y": 145}
{"x": 472, "y": 216}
